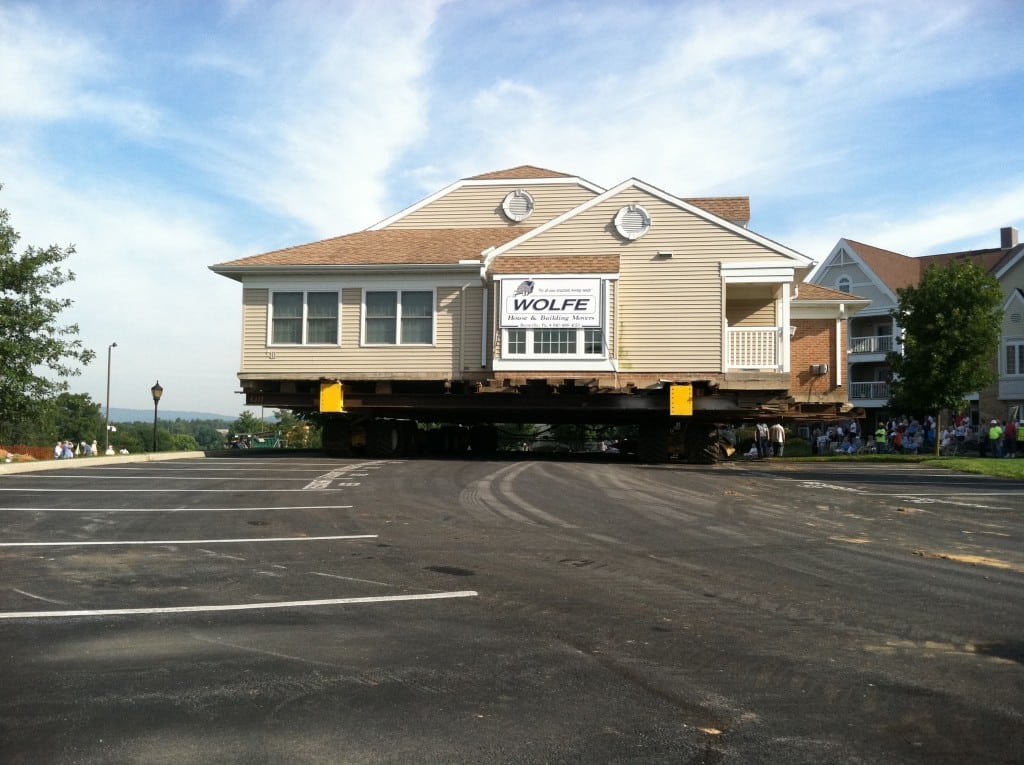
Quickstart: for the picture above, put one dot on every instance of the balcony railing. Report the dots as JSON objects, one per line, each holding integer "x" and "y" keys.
{"x": 878, "y": 391}
{"x": 871, "y": 344}
{"x": 756, "y": 348}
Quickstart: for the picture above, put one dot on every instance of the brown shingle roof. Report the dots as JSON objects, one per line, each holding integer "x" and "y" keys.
{"x": 555, "y": 264}
{"x": 894, "y": 269}
{"x": 523, "y": 172}
{"x": 441, "y": 246}
{"x": 733, "y": 209}
{"x": 986, "y": 259}
{"x": 898, "y": 270}
{"x": 810, "y": 291}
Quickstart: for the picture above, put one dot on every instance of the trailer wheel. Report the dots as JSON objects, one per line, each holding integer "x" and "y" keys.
{"x": 653, "y": 443}
{"x": 383, "y": 438}
{"x": 704, "y": 446}
{"x": 337, "y": 436}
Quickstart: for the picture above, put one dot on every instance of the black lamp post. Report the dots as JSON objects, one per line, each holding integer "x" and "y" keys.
{"x": 106, "y": 419}
{"x": 157, "y": 392}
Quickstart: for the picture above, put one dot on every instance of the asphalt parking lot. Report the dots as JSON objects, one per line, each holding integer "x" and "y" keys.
{"x": 301, "y": 609}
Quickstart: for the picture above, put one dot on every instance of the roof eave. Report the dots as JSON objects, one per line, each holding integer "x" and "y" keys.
{"x": 238, "y": 272}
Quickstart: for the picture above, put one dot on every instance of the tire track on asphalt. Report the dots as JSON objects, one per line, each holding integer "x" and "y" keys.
{"x": 495, "y": 495}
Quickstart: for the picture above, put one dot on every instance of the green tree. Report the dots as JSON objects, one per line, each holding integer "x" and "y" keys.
{"x": 247, "y": 422}
{"x": 32, "y": 339}
{"x": 951, "y": 323}
{"x": 77, "y": 417}
{"x": 183, "y": 442}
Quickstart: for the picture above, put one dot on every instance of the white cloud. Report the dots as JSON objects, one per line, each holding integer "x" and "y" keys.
{"x": 318, "y": 140}
{"x": 50, "y": 73}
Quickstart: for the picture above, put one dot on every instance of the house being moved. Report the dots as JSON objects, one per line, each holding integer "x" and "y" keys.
{"x": 528, "y": 295}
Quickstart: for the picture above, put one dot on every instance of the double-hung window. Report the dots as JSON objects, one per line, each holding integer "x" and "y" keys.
{"x": 398, "y": 317}
{"x": 304, "y": 318}
{"x": 1014, "y": 358}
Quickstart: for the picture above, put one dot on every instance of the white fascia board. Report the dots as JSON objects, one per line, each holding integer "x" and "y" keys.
{"x": 843, "y": 246}
{"x": 486, "y": 182}
{"x": 814, "y": 277}
{"x": 1014, "y": 297}
{"x": 753, "y": 272}
{"x": 363, "y": 280}
{"x": 1009, "y": 264}
{"x": 802, "y": 260}
{"x": 250, "y": 272}
{"x": 826, "y": 309}
{"x": 879, "y": 284}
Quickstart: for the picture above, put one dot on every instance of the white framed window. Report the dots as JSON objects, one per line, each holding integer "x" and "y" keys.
{"x": 579, "y": 343}
{"x": 304, "y": 317}
{"x": 398, "y": 317}
{"x": 1013, "y": 358}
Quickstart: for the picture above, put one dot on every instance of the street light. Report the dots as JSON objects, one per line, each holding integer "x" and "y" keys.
{"x": 157, "y": 392}
{"x": 106, "y": 422}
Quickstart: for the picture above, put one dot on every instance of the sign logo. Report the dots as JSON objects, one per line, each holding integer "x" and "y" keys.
{"x": 551, "y": 303}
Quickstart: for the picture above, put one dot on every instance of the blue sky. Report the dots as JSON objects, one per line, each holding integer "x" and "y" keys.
{"x": 163, "y": 137}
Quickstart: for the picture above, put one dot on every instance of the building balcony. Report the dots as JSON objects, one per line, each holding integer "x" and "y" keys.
{"x": 871, "y": 344}
{"x": 754, "y": 348}
{"x": 861, "y": 392}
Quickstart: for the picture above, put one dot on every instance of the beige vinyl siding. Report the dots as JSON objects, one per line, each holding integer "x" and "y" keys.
{"x": 439, "y": 361}
{"x": 254, "y": 327}
{"x": 480, "y": 206}
{"x": 750, "y": 305}
{"x": 669, "y": 309}
{"x": 468, "y": 320}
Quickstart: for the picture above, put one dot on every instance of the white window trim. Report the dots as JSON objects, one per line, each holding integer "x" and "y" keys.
{"x": 580, "y": 355}
{"x": 398, "y": 316}
{"x": 1015, "y": 342}
{"x": 305, "y": 290}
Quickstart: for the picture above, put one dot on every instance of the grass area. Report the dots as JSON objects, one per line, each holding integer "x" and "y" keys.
{"x": 1002, "y": 468}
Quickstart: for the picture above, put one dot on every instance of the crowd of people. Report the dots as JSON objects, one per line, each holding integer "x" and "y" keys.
{"x": 66, "y": 450}
{"x": 899, "y": 435}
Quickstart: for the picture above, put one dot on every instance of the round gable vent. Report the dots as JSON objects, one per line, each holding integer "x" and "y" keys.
{"x": 632, "y": 221}
{"x": 517, "y": 205}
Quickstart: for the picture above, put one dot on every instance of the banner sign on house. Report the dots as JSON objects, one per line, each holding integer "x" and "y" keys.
{"x": 550, "y": 303}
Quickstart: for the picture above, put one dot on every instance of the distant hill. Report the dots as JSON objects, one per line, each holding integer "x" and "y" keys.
{"x": 146, "y": 415}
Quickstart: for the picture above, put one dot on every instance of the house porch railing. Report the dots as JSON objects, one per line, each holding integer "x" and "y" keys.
{"x": 755, "y": 348}
{"x": 869, "y": 390}
{"x": 871, "y": 344}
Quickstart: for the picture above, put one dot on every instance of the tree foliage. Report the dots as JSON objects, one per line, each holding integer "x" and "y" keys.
{"x": 951, "y": 323}
{"x": 247, "y": 423}
{"x": 77, "y": 418}
{"x": 32, "y": 339}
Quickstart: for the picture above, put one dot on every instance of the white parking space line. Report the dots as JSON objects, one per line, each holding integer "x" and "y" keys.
{"x": 185, "y": 541}
{"x": 170, "y": 509}
{"x": 236, "y": 607}
{"x": 153, "y": 476}
{"x": 52, "y": 490}
{"x": 39, "y": 597}
{"x": 351, "y": 579}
